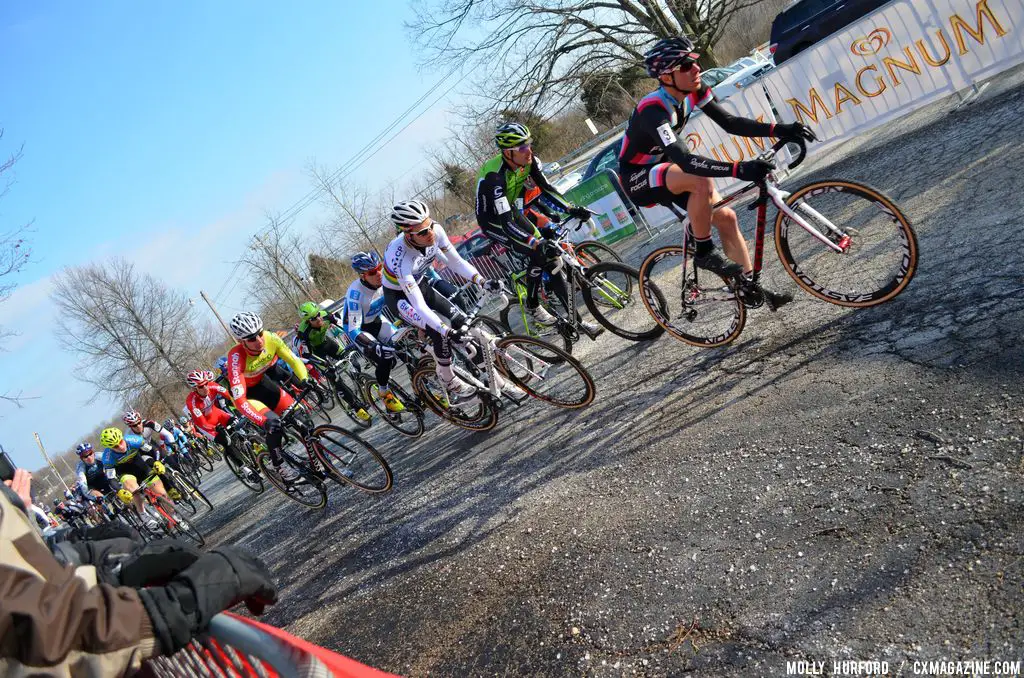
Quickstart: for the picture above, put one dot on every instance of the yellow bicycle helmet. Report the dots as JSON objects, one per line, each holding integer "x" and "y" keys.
{"x": 111, "y": 437}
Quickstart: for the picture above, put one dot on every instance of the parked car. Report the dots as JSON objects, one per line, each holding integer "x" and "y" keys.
{"x": 728, "y": 80}
{"x": 607, "y": 158}
{"x": 475, "y": 244}
{"x": 806, "y": 22}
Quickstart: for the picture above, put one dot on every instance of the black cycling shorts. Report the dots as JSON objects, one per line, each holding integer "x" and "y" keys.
{"x": 645, "y": 185}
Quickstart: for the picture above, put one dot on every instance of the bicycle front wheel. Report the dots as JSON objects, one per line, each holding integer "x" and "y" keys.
{"x": 307, "y": 490}
{"x": 612, "y": 293}
{"x": 200, "y": 459}
{"x": 879, "y": 256}
{"x": 181, "y": 526}
{"x": 478, "y": 415}
{"x": 545, "y": 371}
{"x": 189, "y": 492}
{"x": 348, "y": 458}
{"x": 694, "y": 306}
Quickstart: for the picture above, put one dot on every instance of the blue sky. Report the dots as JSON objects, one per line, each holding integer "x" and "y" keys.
{"x": 162, "y": 132}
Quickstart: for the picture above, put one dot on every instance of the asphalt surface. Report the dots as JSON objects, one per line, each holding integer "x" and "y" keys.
{"x": 835, "y": 485}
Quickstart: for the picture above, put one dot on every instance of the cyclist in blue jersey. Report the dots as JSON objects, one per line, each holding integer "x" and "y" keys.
{"x": 364, "y": 325}
{"x": 92, "y": 481}
{"x": 126, "y": 459}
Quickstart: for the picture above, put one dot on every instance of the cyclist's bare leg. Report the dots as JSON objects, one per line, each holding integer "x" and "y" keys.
{"x": 727, "y": 224}
{"x": 698, "y": 208}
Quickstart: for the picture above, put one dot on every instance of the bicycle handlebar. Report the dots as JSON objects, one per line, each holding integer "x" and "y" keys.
{"x": 782, "y": 143}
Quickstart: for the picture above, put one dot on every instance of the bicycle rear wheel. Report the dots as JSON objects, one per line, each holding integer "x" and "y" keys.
{"x": 694, "y": 306}
{"x": 880, "y": 248}
{"x": 307, "y": 490}
{"x": 612, "y": 293}
{"x": 252, "y": 480}
{"x": 408, "y": 422}
{"x": 347, "y": 458}
{"x": 545, "y": 372}
{"x": 481, "y": 415}
{"x": 591, "y": 252}
{"x": 518, "y": 321}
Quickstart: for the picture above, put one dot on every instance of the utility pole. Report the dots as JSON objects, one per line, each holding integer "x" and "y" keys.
{"x": 288, "y": 271}
{"x": 52, "y": 467}
{"x": 215, "y": 313}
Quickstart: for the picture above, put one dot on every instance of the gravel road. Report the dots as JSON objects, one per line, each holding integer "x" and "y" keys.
{"x": 835, "y": 485}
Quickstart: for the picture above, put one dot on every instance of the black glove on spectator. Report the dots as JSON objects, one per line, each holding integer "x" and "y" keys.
{"x": 213, "y": 583}
{"x": 156, "y": 563}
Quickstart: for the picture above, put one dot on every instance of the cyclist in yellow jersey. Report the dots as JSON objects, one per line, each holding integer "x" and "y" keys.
{"x": 248, "y": 378}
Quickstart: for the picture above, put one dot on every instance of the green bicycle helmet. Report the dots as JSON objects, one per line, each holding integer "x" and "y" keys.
{"x": 310, "y": 310}
{"x": 512, "y": 134}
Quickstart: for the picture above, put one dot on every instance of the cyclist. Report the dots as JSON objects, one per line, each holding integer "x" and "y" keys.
{"x": 656, "y": 167}
{"x": 366, "y": 327}
{"x": 248, "y": 364}
{"x": 153, "y": 433}
{"x": 207, "y": 406}
{"x": 125, "y": 460}
{"x": 409, "y": 294}
{"x": 314, "y": 334}
{"x": 500, "y": 204}
{"x": 92, "y": 481}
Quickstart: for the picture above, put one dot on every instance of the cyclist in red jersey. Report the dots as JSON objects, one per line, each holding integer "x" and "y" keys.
{"x": 249, "y": 363}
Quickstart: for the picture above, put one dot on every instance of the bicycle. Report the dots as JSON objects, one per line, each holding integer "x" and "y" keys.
{"x": 530, "y": 363}
{"x": 337, "y": 372}
{"x": 408, "y": 422}
{"x": 188, "y": 491}
{"x": 245, "y": 443}
{"x": 607, "y": 288}
{"x": 160, "y": 508}
{"x": 331, "y": 453}
{"x": 712, "y": 311}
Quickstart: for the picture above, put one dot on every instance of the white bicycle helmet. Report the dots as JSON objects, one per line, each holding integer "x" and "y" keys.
{"x": 409, "y": 214}
{"x": 245, "y": 324}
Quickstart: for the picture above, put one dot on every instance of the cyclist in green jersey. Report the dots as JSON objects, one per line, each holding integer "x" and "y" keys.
{"x": 500, "y": 192}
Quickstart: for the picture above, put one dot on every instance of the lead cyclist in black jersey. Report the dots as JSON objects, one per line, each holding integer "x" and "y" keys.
{"x": 656, "y": 167}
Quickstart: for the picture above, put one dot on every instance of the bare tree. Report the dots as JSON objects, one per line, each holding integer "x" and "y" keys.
{"x": 132, "y": 331}
{"x": 279, "y": 281}
{"x": 357, "y": 219}
{"x": 539, "y": 51}
{"x": 15, "y": 251}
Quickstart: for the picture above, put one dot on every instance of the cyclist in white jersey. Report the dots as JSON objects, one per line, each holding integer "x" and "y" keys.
{"x": 366, "y": 328}
{"x": 408, "y": 295}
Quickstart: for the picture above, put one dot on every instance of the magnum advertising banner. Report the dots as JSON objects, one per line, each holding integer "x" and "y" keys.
{"x": 896, "y": 60}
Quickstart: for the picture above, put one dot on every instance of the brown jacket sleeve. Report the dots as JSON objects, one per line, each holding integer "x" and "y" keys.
{"x": 55, "y": 620}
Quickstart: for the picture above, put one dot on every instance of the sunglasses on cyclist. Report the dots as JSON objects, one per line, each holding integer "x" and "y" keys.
{"x": 687, "y": 65}
{"x": 374, "y": 271}
{"x": 521, "y": 148}
{"x": 424, "y": 231}
{"x": 252, "y": 337}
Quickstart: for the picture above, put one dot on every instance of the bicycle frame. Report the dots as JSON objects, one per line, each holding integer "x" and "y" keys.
{"x": 769, "y": 189}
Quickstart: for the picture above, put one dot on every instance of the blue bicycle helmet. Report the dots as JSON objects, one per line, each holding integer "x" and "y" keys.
{"x": 365, "y": 261}
{"x": 222, "y": 364}
{"x": 84, "y": 449}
